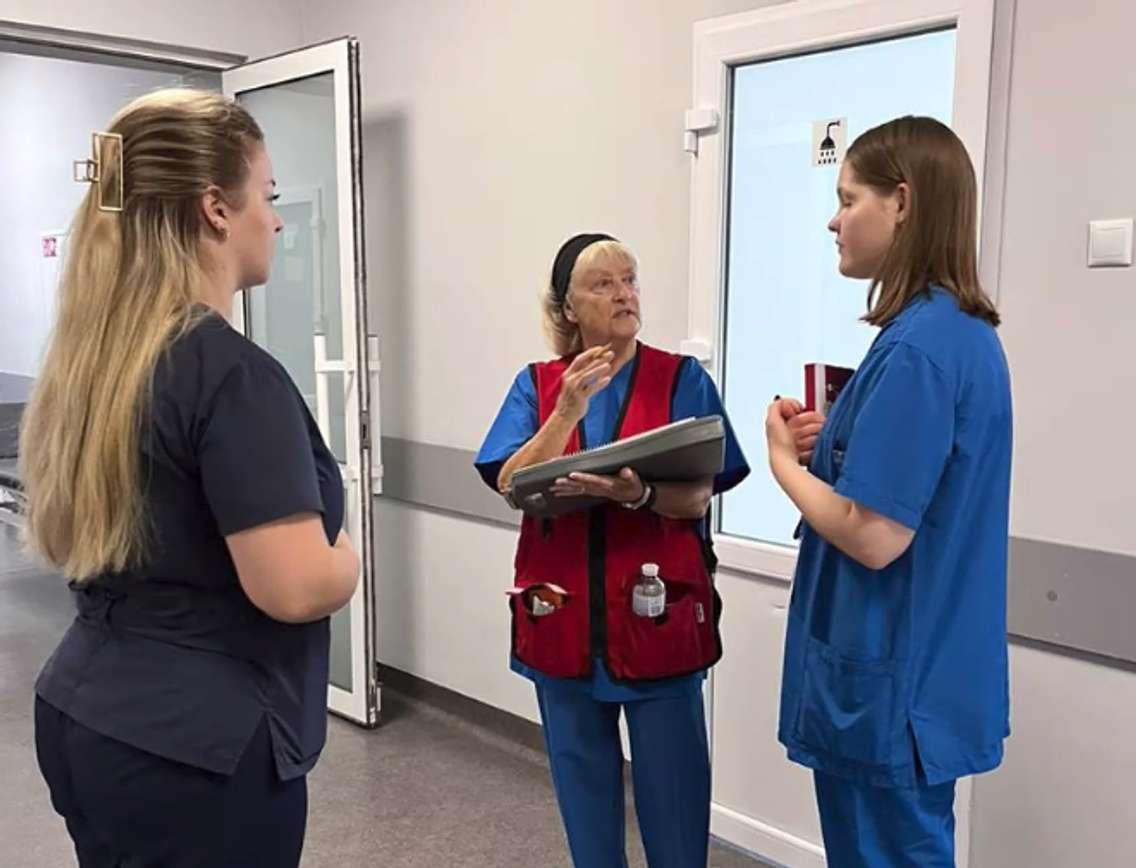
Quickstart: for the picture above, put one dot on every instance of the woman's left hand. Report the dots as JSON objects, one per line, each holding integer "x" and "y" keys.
{"x": 782, "y": 444}
{"x": 627, "y": 487}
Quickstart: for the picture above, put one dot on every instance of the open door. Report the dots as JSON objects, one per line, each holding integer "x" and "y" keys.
{"x": 312, "y": 315}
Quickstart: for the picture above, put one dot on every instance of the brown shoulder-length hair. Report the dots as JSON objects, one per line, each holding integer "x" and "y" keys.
{"x": 937, "y": 244}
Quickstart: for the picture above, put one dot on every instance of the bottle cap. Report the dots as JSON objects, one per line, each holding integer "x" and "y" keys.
{"x": 651, "y": 571}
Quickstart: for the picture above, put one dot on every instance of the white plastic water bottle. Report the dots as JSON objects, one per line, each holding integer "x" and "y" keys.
{"x": 649, "y": 597}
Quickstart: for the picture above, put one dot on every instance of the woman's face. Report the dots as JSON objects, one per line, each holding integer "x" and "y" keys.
{"x": 254, "y": 225}
{"x": 604, "y": 302}
{"x": 865, "y": 224}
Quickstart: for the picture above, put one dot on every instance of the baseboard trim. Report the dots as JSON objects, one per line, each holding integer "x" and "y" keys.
{"x": 501, "y": 723}
{"x": 765, "y": 841}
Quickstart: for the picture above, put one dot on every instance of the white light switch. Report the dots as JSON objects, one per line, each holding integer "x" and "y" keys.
{"x": 1110, "y": 243}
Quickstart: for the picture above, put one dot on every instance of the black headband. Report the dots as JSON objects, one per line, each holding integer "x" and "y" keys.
{"x": 566, "y": 260}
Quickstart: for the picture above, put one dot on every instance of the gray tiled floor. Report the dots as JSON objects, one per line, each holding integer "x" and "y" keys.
{"x": 426, "y": 789}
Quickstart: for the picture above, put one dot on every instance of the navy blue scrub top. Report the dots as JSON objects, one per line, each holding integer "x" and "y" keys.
{"x": 172, "y": 657}
{"x": 517, "y": 421}
{"x": 886, "y": 668}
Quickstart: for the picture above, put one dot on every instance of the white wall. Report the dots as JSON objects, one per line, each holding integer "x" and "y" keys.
{"x": 39, "y": 194}
{"x": 1063, "y": 796}
{"x": 495, "y": 129}
{"x": 442, "y": 609}
{"x": 1068, "y": 329}
{"x": 58, "y": 104}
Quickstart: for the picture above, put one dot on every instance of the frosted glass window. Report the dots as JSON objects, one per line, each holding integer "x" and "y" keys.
{"x": 786, "y": 304}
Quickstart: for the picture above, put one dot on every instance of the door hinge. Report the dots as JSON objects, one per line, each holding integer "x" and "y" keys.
{"x": 701, "y": 120}
{"x": 365, "y": 428}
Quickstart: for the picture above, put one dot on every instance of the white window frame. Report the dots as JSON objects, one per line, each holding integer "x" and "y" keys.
{"x": 785, "y": 30}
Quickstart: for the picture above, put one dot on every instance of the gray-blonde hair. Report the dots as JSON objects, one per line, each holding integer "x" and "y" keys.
{"x": 562, "y": 334}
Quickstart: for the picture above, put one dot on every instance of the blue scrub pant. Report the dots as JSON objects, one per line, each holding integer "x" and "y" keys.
{"x": 877, "y": 827}
{"x": 670, "y": 772}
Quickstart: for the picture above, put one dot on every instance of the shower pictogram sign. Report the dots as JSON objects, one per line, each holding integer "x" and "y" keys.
{"x": 830, "y": 141}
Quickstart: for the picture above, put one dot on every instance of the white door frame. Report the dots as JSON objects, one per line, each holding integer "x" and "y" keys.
{"x": 361, "y": 477}
{"x": 779, "y": 31}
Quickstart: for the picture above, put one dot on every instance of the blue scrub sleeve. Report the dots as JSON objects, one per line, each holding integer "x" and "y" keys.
{"x": 255, "y": 452}
{"x": 515, "y": 425}
{"x": 901, "y": 438}
{"x": 696, "y": 395}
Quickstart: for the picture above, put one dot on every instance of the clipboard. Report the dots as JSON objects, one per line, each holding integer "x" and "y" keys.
{"x": 682, "y": 451}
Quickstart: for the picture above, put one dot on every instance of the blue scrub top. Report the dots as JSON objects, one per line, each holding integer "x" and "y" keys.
{"x": 886, "y": 669}
{"x": 517, "y": 422}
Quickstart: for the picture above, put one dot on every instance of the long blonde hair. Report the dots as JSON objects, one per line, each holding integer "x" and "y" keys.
{"x": 130, "y": 286}
{"x": 938, "y": 244}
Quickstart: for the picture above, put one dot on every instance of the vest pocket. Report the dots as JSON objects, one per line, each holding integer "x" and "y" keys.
{"x": 847, "y": 706}
{"x": 550, "y": 643}
{"x": 681, "y": 641}
{"x": 662, "y": 646}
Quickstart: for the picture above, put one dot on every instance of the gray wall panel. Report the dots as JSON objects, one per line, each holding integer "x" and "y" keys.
{"x": 1075, "y": 597}
{"x": 1058, "y": 594}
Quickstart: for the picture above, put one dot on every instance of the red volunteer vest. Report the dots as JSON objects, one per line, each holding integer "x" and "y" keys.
{"x": 597, "y": 556}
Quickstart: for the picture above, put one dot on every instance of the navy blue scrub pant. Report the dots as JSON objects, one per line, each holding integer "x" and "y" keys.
{"x": 877, "y": 827}
{"x": 126, "y": 808}
{"x": 670, "y": 771}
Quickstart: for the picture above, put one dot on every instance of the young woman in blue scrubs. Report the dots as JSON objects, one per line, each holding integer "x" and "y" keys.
{"x": 895, "y": 674}
{"x": 604, "y": 378}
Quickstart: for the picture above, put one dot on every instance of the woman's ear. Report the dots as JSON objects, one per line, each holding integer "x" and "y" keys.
{"x": 569, "y": 313}
{"x": 215, "y": 211}
{"x": 902, "y": 202}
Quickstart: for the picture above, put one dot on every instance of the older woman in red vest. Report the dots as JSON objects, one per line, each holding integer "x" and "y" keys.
{"x": 591, "y": 657}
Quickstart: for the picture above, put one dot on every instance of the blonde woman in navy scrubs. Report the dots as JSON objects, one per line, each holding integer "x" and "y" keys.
{"x": 176, "y": 478}
{"x": 895, "y": 675}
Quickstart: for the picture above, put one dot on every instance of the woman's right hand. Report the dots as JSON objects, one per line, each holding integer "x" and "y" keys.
{"x": 589, "y": 373}
{"x": 805, "y": 426}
